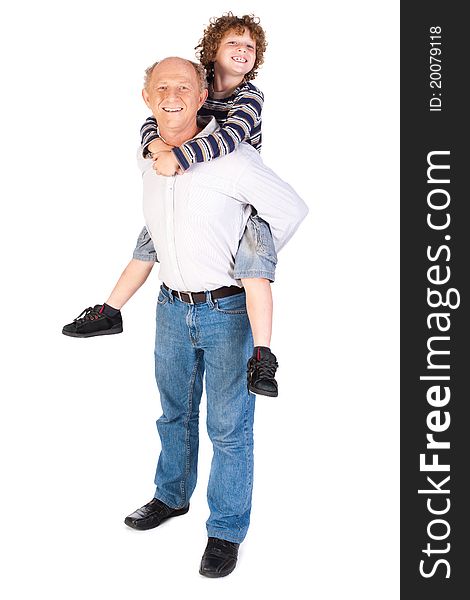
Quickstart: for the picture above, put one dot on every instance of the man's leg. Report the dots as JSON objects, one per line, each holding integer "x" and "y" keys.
{"x": 179, "y": 370}
{"x": 227, "y": 342}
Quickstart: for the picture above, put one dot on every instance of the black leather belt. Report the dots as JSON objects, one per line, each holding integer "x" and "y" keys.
{"x": 193, "y": 297}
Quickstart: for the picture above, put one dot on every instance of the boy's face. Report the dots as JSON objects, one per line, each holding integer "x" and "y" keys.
{"x": 236, "y": 54}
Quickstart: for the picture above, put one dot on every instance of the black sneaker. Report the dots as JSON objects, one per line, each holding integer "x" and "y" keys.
{"x": 93, "y": 321}
{"x": 262, "y": 367}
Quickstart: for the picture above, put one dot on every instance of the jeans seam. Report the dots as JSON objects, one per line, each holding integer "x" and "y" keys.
{"x": 188, "y": 418}
{"x": 261, "y": 243}
{"x": 234, "y": 311}
{"x": 247, "y": 450}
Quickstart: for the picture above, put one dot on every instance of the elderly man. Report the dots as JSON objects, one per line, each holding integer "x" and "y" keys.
{"x": 196, "y": 220}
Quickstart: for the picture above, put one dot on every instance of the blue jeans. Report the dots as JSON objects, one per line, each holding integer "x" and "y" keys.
{"x": 211, "y": 337}
{"x": 256, "y": 255}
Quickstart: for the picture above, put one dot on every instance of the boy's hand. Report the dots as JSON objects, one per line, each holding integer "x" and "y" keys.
{"x": 166, "y": 164}
{"x": 158, "y": 146}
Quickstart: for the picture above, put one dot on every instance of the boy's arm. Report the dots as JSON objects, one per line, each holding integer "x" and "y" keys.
{"x": 242, "y": 119}
{"x": 148, "y": 134}
{"x": 153, "y": 146}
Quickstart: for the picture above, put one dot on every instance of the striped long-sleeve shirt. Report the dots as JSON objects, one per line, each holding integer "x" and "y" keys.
{"x": 239, "y": 117}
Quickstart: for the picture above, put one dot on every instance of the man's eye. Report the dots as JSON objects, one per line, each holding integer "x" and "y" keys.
{"x": 231, "y": 43}
{"x": 251, "y": 47}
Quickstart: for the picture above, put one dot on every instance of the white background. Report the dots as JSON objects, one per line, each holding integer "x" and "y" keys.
{"x": 78, "y": 437}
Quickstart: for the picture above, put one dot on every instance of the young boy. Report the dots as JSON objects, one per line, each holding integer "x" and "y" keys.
{"x": 231, "y": 50}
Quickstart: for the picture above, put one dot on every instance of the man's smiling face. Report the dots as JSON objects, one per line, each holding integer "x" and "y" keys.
{"x": 174, "y": 95}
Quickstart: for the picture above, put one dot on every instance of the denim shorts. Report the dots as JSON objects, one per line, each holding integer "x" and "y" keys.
{"x": 256, "y": 256}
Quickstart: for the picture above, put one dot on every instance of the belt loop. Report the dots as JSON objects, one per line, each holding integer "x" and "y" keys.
{"x": 191, "y": 301}
{"x": 209, "y": 300}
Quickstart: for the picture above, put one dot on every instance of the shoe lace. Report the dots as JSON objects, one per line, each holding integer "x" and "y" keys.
{"x": 266, "y": 367}
{"x": 89, "y": 314}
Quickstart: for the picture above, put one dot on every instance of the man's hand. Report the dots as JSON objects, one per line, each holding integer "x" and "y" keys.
{"x": 158, "y": 146}
{"x": 166, "y": 164}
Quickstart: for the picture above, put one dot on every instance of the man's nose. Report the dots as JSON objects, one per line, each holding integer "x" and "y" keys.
{"x": 171, "y": 93}
{"x": 241, "y": 49}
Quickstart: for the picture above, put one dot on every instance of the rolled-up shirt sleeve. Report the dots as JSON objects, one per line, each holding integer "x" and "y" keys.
{"x": 275, "y": 200}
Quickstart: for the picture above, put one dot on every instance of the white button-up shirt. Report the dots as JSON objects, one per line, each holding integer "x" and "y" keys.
{"x": 196, "y": 219}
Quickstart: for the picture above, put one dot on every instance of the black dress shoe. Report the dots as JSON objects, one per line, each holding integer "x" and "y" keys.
{"x": 152, "y": 514}
{"x": 219, "y": 558}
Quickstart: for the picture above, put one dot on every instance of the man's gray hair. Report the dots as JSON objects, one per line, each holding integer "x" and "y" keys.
{"x": 200, "y": 73}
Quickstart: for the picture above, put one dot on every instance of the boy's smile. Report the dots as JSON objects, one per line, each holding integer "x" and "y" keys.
{"x": 236, "y": 54}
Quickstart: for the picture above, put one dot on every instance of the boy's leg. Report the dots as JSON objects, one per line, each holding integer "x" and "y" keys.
{"x": 259, "y": 304}
{"x": 255, "y": 265}
{"x": 131, "y": 279}
{"x": 106, "y": 319}
{"x": 136, "y": 272}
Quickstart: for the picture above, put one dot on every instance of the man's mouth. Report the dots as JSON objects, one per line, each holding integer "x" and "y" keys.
{"x": 239, "y": 59}
{"x": 172, "y": 110}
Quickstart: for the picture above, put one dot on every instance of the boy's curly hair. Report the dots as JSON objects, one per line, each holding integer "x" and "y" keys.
{"x": 207, "y": 48}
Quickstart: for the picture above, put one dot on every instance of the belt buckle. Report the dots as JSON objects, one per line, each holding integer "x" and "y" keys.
{"x": 191, "y": 301}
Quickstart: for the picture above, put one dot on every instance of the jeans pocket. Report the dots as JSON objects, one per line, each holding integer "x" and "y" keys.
{"x": 162, "y": 298}
{"x": 232, "y": 305}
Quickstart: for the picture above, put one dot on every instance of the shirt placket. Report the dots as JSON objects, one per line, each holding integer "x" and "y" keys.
{"x": 170, "y": 194}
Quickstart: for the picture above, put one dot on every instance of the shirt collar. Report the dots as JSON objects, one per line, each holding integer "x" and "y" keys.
{"x": 208, "y": 124}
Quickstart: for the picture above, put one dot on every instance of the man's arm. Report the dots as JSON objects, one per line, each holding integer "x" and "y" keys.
{"x": 275, "y": 200}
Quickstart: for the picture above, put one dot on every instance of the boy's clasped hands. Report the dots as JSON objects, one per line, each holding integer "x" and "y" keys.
{"x": 164, "y": 161}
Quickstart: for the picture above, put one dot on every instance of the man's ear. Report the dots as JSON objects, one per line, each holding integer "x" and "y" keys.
{"x": 202, "y": 98}
{"x": 146, "y": 98}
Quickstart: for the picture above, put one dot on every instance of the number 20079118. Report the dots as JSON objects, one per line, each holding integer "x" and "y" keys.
{"x": 435, "y": 60}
